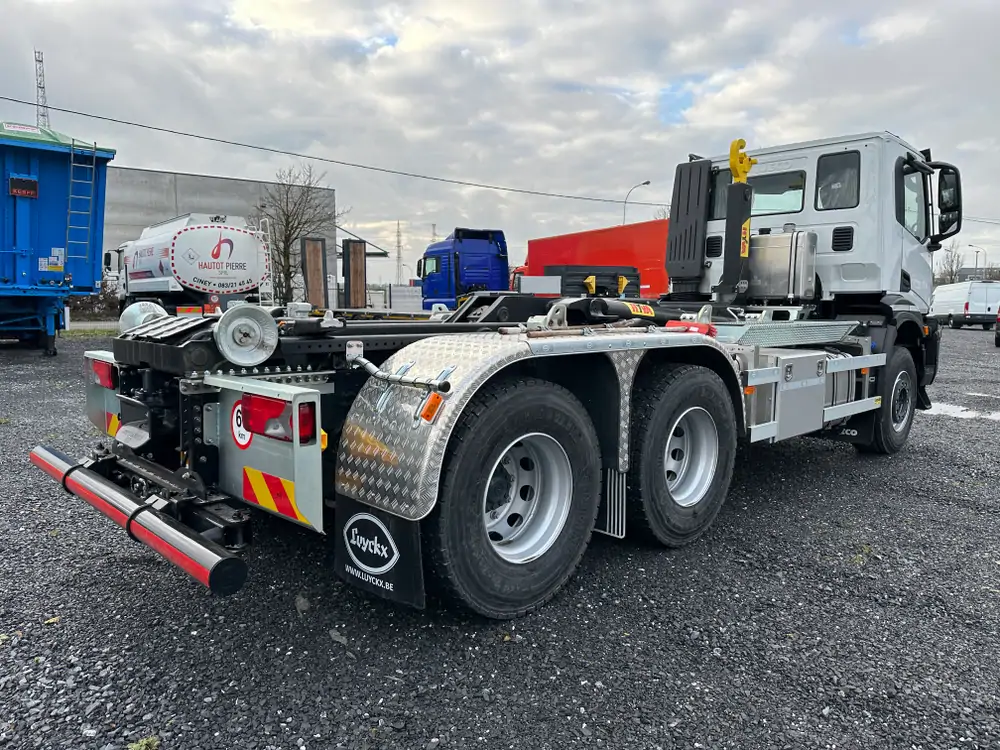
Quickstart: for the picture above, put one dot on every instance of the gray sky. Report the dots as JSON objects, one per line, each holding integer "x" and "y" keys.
{"x": 571, "y": 96}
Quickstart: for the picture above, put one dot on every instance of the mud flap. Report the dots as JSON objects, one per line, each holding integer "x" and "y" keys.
{"x": 378, "y": 552}
{"x": 859, "y": 429}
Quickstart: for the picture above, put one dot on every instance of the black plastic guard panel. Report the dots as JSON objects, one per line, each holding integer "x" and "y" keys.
{"x": 378, "y": 553}
{"x": 688, "y": 220}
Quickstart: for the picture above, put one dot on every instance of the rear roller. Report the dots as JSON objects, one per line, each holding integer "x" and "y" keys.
{"x": 520, "y": 493}
{"x": 683, "y": 453}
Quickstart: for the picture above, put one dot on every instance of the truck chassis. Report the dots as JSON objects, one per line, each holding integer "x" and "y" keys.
{"x": 472, "y": 458}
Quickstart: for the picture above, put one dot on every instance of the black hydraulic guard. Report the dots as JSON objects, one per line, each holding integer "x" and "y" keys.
{"x": 736, "y": 254}
{"x": 688, "y": 226}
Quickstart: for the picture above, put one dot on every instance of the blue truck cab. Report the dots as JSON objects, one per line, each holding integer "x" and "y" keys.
{"x": 51, "y": 229}
{"x": 466, "y": 261}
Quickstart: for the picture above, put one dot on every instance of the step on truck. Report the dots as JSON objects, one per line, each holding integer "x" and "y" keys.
{"x": 469, "y": 459}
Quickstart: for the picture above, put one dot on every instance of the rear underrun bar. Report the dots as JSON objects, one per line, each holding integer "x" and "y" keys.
{"x": 207, "y": 562}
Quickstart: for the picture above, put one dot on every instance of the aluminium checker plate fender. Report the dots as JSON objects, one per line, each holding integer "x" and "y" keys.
{"x": 389, "y": 458}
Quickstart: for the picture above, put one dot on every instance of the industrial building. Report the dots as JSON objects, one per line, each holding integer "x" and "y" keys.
{"x": 137, "y": 198}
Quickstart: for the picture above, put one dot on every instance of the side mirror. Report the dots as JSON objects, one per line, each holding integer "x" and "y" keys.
{"x": 107, "y": 261}
{"x": 949, "y": 200}
{"x": 420, "y": 268}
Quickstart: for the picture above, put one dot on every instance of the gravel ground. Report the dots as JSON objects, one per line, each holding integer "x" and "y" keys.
{"x": 839, "y": 602}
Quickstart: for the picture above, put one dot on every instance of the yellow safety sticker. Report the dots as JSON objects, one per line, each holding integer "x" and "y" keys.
{"x": 878, "y": 401}
{"x": 640, "y": 309}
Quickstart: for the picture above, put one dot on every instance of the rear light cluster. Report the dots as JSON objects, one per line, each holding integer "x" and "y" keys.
{"x": 104, "y": 373}
{"x": 966, "y": 308}
{"x": 272, "y": 417}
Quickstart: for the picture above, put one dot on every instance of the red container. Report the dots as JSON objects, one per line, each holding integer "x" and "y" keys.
{"x": 642, "y": 246}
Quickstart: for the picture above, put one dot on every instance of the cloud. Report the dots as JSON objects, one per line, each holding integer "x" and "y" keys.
{"x": 570, "y": 96}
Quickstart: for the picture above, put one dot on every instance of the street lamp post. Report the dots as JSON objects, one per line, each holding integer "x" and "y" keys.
{"x": 625, "y": 205}
{"x": 978, "y": 250}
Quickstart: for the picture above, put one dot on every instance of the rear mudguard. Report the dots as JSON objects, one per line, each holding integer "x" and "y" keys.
{"x": 390, "y": 457}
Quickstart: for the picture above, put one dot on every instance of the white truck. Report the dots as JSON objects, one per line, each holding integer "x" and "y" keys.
{"x": 473, "y": 457}
{"x": 191, "y": 264}
{"x": 967, "y": 303}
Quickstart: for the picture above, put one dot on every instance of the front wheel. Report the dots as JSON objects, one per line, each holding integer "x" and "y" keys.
{"x": 894, "y": 417}
{"x": 684, "y": 452}
{"x": 518, "y": 500}
{"x": 987, "y": 326}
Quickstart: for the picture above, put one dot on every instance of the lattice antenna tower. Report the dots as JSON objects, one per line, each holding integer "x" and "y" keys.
{"x": 41, "y": 103}
{"x": 399, "y": 255}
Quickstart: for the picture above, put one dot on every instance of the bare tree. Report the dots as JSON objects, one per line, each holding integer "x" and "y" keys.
{"x": 663, "y": 212}
{"x": 297, "y": 205}
{"x": 947, "y": 272}
{"x": 992, "y": 273}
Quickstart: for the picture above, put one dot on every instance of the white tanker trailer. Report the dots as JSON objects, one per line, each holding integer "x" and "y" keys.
{"x": 193, "y": 264}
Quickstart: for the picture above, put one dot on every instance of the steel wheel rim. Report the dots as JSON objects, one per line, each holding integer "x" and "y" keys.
{"x": 691, "y": 456}
{"x": 527, "y": 498}
{"x": 902, "y": 398}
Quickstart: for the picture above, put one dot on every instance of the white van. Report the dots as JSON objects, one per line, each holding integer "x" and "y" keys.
{"x": 967, "y": 303}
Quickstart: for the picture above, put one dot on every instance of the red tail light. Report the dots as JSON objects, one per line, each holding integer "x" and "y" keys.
{"x": 966, "y": 308}
{"x": 307, "y": 423}
{"x": 104, "y": 373}
{"x": 272, "y": 417}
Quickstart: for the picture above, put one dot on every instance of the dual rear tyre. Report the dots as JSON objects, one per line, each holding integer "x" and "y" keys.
{"x": 684, "y": 449}
{"x": 521, "y": 485}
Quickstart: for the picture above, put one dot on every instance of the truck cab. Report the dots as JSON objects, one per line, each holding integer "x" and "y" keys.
{"x": 466, "y": 261}
{"x": 114, "y": 269}
{"x": 867, "y": 200}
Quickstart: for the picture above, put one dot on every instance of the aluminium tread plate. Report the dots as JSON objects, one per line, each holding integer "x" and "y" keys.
{"x": 786, "y": 333}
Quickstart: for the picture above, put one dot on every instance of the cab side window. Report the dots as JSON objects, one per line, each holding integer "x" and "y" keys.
{"x": 779, "y": 193}
{"x": 838, "y": 181}
{"x": 911, "y": 200}
{"x": 431, "y": 265}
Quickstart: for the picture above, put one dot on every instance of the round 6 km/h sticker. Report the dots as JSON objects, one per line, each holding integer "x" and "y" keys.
{"x": 241, "y": 434}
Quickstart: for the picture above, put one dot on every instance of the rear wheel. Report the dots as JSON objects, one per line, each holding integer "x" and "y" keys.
{"x": 894, "y": 417}
{"x": 518, "y": 500}
{"x": 952, "y": 323}
{"x": 987, "y": 326}
{"x": 683, "y": 456}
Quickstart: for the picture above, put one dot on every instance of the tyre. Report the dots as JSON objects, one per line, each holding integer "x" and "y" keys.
{"x": 987, "y": 326}
{"x": 952, "y": 323}
{"x": 683, "y": 453}
{"x": 996, "y": 339}
{"x": 519, "y": 496}
{"x": 894, "y": 417}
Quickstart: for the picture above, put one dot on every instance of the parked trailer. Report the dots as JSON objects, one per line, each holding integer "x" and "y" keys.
{"x": 51, "y": 229}
{"x": 471, "y": 458}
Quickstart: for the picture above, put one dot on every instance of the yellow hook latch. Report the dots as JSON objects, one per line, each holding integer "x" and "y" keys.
{"x": 739, "y": 162}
